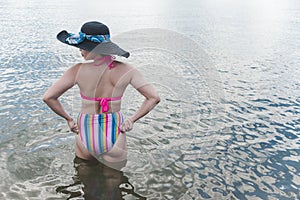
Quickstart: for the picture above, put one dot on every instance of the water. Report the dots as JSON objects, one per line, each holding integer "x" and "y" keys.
{"x": 227, "y": 126}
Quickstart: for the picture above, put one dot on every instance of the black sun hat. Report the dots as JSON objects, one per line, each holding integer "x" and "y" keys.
{"x": 94, "y": 37}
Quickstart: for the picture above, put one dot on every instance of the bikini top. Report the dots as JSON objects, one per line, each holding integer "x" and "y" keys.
{"x": 103, "y": 101}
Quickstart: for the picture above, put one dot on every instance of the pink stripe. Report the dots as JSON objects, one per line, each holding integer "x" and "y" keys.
{"x": 106, "y": 126}
{"x": 93, "y": 133}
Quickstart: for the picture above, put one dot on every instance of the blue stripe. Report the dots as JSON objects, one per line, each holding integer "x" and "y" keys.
{"x": 113, "y": 121}
{"x": 100, "y": 133}
{"x": 86, "y": 130}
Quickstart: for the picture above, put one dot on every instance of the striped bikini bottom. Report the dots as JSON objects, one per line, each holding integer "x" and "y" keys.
{"x": 99, "y": 132}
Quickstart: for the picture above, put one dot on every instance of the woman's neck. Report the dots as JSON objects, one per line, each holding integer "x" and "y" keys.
{"x": 103, "y": 60}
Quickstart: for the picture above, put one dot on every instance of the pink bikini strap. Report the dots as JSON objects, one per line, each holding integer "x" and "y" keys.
{"x": 102, "y": 101}
{"x": 104, "y": 59}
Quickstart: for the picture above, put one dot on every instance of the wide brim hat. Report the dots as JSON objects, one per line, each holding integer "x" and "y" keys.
{"x": 93, "y": 37}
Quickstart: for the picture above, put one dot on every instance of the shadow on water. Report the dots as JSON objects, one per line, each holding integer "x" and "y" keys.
{"x": 94, "y": 180}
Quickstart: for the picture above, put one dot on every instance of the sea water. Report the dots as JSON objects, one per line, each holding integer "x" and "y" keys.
{"x": 227, "y": 126}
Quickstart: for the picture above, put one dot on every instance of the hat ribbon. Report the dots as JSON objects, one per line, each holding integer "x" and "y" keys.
{"x": 80, "y": 37}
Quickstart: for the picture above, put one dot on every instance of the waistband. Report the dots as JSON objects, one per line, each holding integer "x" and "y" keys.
{"x": 102, "y": 115}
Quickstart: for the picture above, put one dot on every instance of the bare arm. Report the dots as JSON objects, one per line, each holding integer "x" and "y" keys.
{"x": 66, "y": 81}
{"x": 151, "y": 99}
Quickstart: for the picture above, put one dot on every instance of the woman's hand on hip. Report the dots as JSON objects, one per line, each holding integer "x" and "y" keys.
{"x": 73, "y": 126}
{"x": 127, "y": 125}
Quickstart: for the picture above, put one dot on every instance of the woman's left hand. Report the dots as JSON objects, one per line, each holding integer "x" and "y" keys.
{"x": 73, "y": 126}
{"x": 127, "y": 125}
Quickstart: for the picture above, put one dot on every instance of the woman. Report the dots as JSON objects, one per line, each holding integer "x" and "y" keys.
{"x": 100, "y": 128}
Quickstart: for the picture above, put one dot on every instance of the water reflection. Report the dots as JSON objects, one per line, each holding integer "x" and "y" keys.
{"x": 94, "y": 180}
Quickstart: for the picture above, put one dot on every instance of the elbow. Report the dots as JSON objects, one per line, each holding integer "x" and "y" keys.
{"x": 46, "y": 98}
{"x": 154, "y": 100}
{"x": 157, "y": 99}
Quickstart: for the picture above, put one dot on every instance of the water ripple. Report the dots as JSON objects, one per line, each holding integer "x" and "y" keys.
{"x": 225, "y": 133}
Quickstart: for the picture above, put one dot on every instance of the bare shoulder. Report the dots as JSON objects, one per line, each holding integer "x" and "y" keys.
{"x": 71, "y": 73}
{"x": 75, "y": 67}
{"x": 124, "y": 66}
{"x": 125, "y": 69}
{"x": 135, "y": 77}
{"x": 129, "y": 74}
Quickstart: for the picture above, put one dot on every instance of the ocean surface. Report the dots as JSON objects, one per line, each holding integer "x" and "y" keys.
{"x": 228, "y": 124}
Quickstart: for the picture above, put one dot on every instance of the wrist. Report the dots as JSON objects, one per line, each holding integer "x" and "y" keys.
{"x": 131, "y": 120}
{"x": 69, "y": 119}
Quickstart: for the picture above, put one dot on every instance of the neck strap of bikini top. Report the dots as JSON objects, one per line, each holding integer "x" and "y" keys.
{"x": 102, "y": 60}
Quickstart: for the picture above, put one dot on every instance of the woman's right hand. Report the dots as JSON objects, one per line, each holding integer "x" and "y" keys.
{"x": 127, "y": 125}
{"x": 73, "y": 126}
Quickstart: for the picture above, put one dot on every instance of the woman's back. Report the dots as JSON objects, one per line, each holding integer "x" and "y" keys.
{"x": 102, "y": 82}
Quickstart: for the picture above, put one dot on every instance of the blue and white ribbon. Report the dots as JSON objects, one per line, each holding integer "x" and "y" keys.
{"x": 80, "y": 37}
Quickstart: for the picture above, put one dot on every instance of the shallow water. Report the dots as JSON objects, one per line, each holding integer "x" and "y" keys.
{"x": 228, "y": 123}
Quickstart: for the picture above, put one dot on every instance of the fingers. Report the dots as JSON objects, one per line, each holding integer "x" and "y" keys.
{"x": 75, "y": 129}
{"x": 73, "y": 126}
{"x": 127, "y": 125}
